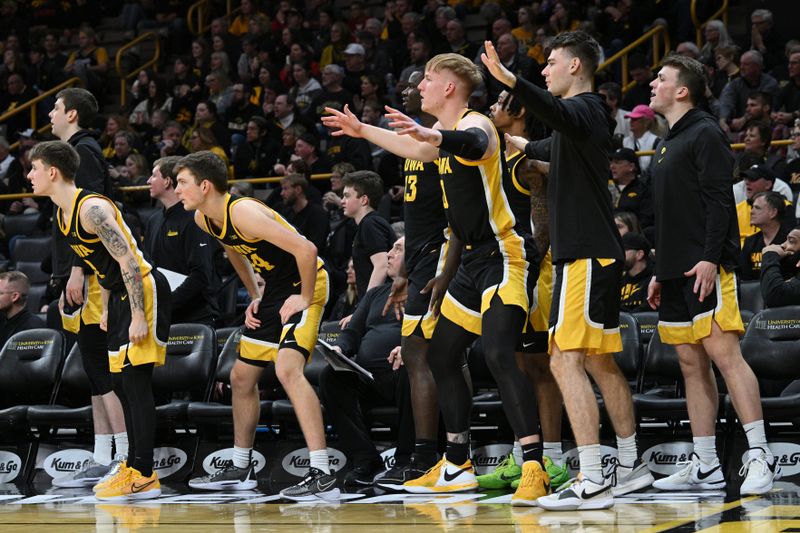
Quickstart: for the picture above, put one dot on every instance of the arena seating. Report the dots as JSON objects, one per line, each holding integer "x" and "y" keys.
{"x": 187, "y": 372}
{"x": 72, "y": 407}
{"x": 30, "y": 363}
{"x": 771, "y": 346}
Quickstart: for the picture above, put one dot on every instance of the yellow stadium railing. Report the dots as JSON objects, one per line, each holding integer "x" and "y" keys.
{"x": 198, "y": 13}
{"x": 698, "y": 26}
{"x": 123, "y": 78}
{"x": 660, "y": 44}
{"x": 30, "y": 105}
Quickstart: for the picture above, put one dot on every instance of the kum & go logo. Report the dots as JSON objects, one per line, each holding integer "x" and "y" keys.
{"x": 10, "y": 466}
{"x": 297, "y": 462}
{"x": 486, "y": 458}
{"x": 221, "y": 458}
{"x": 65, "y": 462}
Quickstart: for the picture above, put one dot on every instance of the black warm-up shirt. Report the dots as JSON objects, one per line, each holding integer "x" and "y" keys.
{"x": 581, "y": 215}
{"x": 694, "y": 206}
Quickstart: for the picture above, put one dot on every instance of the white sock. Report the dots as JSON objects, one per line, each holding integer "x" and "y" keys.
{"x": 516, "y": 451}
{"x": 319, "y": 459}
{"x": 121, "y": 444}
{"x": 706, "y": 449}
{"x": 626, "y": 450}
{"x": 756, "y": 438}
{"x": 241, "y": 457}
{"x": 591, "y": 462}
{"x": 102, "y": 449}
{"x": 553, "y": 451}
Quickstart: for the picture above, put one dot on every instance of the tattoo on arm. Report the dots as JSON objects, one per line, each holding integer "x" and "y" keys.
{"x": 539, "y": 214}
{"x": 132, "y": 277}
{"x": 112, "y": 240}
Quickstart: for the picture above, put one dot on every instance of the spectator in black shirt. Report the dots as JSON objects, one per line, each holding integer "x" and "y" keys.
{"x": 239, "y": 113}
{"x": 776, "y": 291}
{"x": 765, "y": 38}
{"x": 787, "y": 101}
{"x": 766, "y": 214}
{"x": 333, "y": 94}
{"x": 638, "y": 272}
{"x": 374, "y": 237}
{"x": 16, "y": 317}
{"x": 175, "y": 243}
{"x": 307, "y": 148}
{"x": 634, "y": 194}
{"x": 258, "y": 154}
{"x": 355, "y": 67}
{"x": 17, "y": 93}
{"x": 310, "y": 219}
{"x": 370, "y": 337}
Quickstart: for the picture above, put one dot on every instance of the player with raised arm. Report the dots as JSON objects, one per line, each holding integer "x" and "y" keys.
{"x": 491, "y": 287}
{"x": 588, "y": 258}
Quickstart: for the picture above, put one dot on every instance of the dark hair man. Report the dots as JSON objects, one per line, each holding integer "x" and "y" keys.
{"x": 694, "y": 287}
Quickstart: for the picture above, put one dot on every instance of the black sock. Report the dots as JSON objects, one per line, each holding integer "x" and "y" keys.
{"x": 457, "y": 452}
{"x": 425, "y": 451}
{"x": 532, "y": 452}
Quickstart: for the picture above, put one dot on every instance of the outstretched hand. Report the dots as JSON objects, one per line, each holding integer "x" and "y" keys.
{"x": 346, "y": 121}
{"x": 402, "y": 124}
{"x": 496, "y": 67}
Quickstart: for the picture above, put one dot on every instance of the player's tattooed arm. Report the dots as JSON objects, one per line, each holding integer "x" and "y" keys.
{"x": 100, "y": 221}
{"x": 132, "y": 277}
{"x": 536, "y": 177}
{"x": 107, "y": 231}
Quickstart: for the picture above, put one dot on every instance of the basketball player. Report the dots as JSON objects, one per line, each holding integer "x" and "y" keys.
{"x": 136, "y": 301}
{"x": 492, "y": 285}
{"x": 281, "y": 326}
{"x": 694, "y": 289}
{"x": 587, "y": 253}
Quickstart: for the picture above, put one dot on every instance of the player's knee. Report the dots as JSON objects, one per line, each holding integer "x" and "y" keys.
{"x": 289, "y": 374}
{"x": 241, "y": 381}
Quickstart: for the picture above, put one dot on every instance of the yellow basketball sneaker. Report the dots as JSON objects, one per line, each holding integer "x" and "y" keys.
{"x": 444, "y": 477}
{"x": 533, "y": 484}
{"x": 133, "y": 486}
{"x": 115, "y": 471}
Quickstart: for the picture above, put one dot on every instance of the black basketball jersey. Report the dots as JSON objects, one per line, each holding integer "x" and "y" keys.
{"x": 474, "y": 196}
{"x": 425, "y": 219}
{"x": 275, "y": 265}
{"x": 518, "y": 193}
{"x": 91, "y": 250}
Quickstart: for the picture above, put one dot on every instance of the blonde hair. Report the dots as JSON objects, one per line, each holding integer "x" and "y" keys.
{"x": 463, "y": 68}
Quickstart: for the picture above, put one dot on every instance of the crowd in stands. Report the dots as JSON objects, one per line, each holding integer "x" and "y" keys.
{"x": 252, "y": 89}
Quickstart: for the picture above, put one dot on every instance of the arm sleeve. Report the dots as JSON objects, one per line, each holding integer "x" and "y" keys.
{"x": 539, "y": 149}
{"x": 197, "y": 252}
{"x": 775, "y": 291}
{"x": 571, "y": 117}
{"x": 715, "y": 166}
{"x": 350, "y": 338}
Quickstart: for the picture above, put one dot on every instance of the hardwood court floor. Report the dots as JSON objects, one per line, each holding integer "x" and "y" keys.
{"x": 244, "y": 513}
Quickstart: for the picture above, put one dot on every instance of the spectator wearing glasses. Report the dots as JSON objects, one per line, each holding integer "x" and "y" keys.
{"x": 14, "y": 315}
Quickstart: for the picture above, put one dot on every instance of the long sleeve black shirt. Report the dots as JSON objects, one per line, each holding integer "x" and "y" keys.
{"x": 581, "y": 215}
{"x": 370, "y": 335}
{"x": 694, "y": 206}
{"x": 776, "y": 291}
{"x": 174, "y": 242}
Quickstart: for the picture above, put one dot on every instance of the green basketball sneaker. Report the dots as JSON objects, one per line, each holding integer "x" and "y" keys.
{"x": 503, "y": 476}
{"x": 558, "y": 474}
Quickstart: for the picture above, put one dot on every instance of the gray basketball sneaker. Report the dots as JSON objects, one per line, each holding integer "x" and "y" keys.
{"x": 317, "y": 485}
{"x": 86, "y": 476}
{"x": 227, "y": 478}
